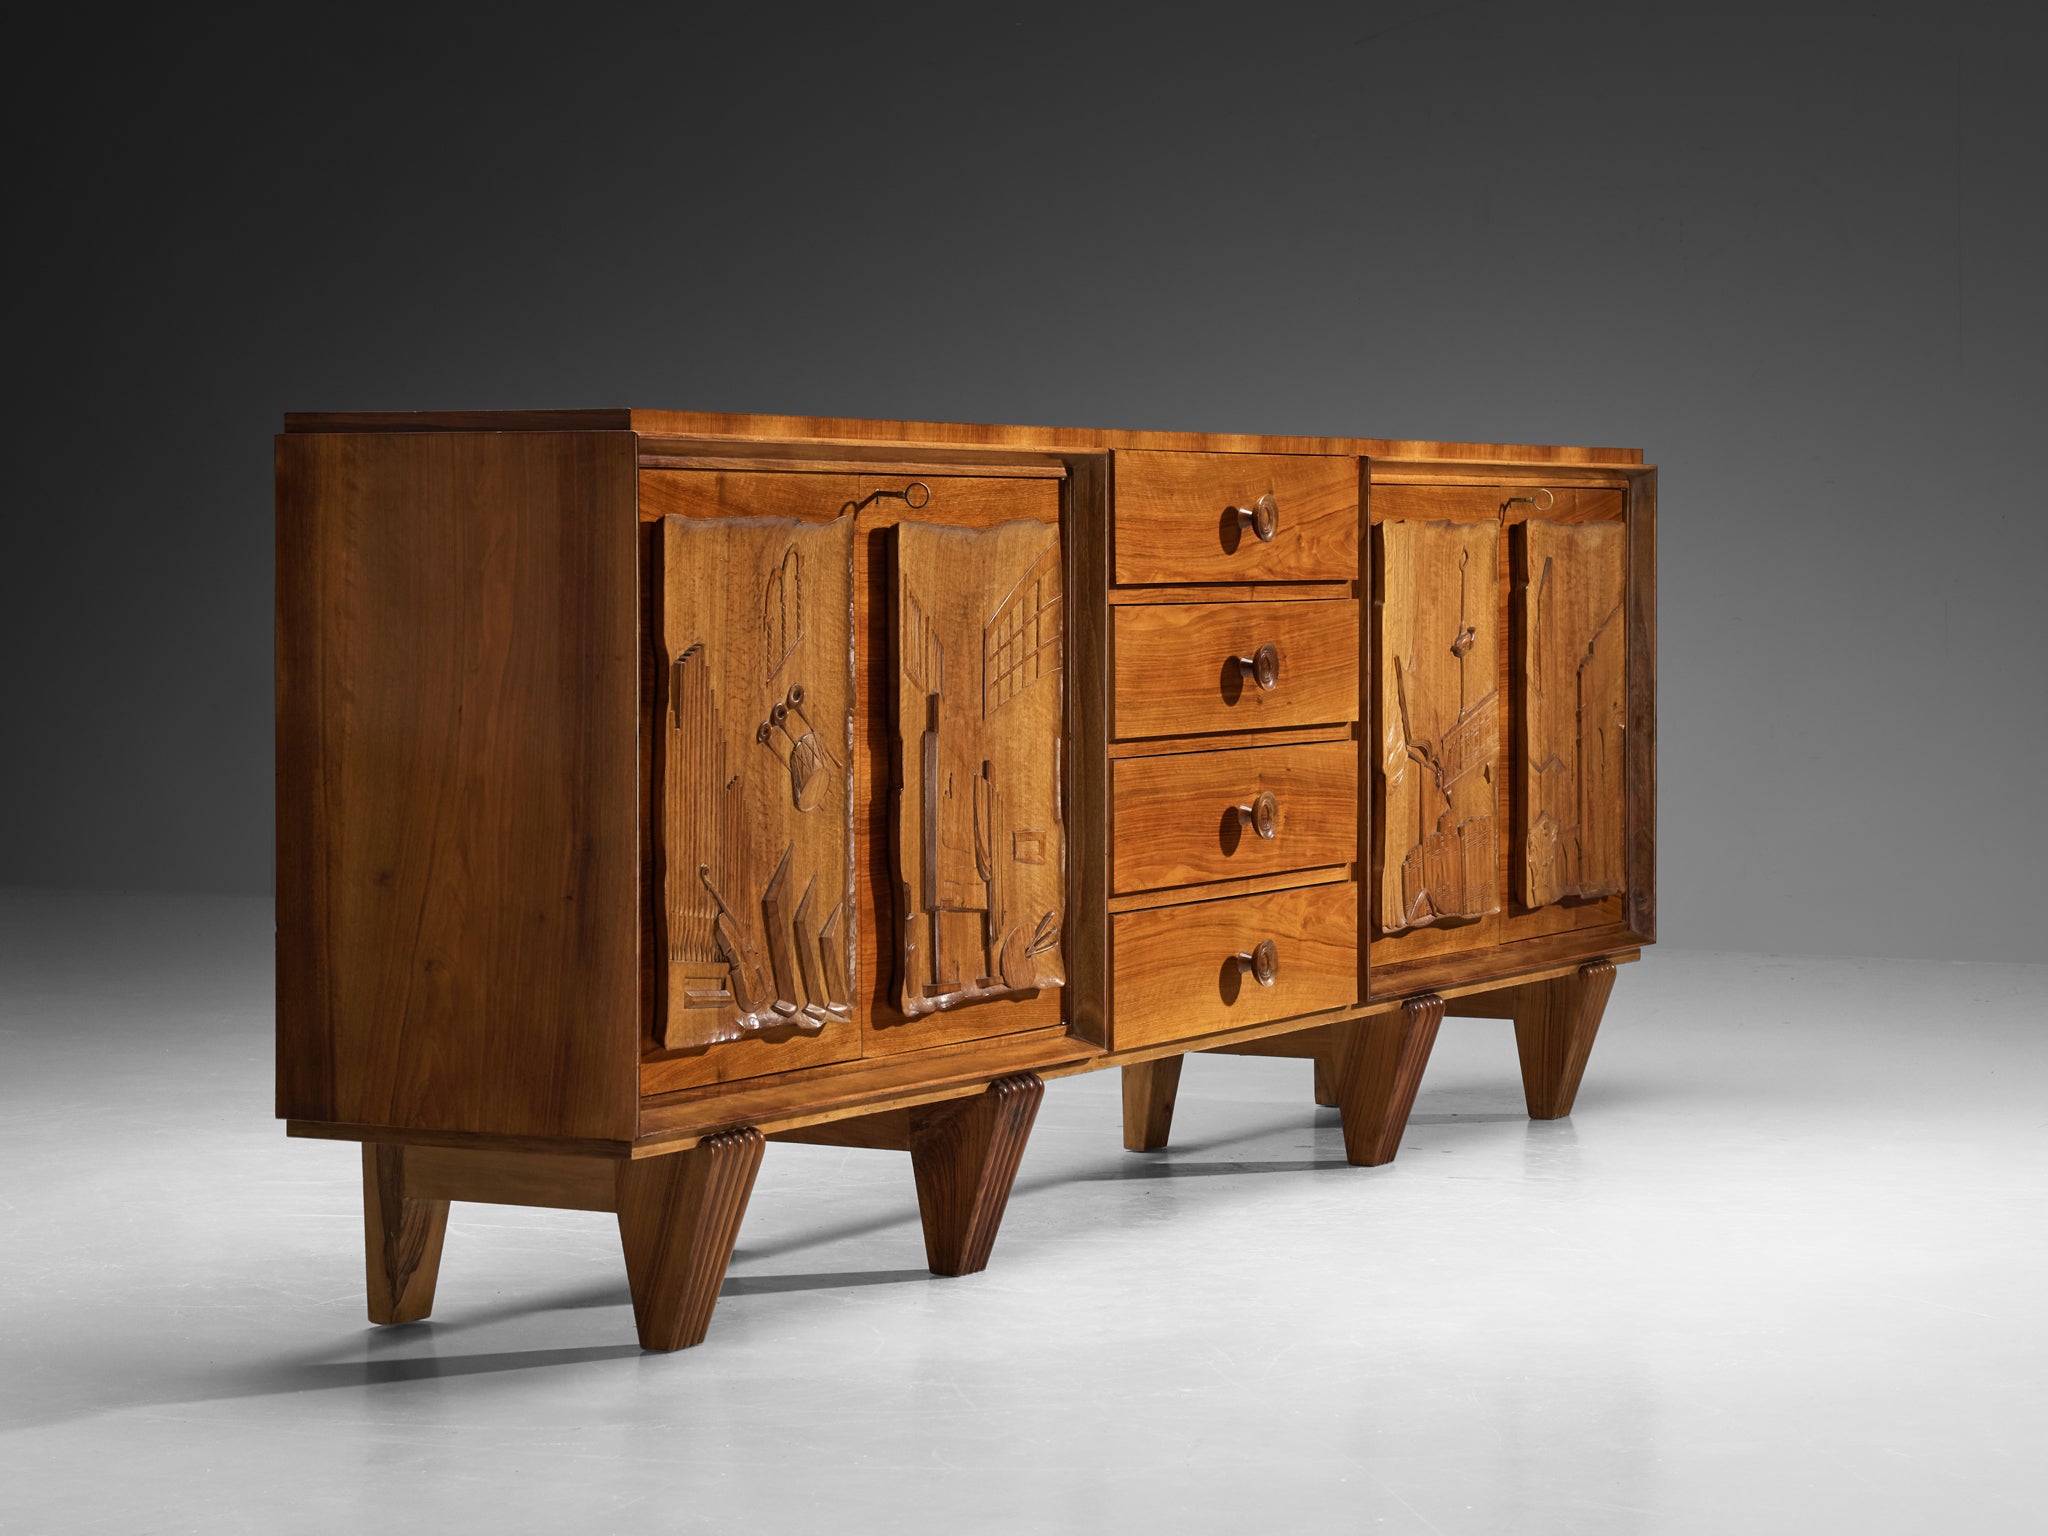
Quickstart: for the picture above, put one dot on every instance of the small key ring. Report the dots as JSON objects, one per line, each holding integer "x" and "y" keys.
{"x": 1544, "y": 505}
{"x": 909, "y": 496}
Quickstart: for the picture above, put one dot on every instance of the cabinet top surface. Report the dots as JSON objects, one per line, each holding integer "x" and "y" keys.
{"x": 713, "y": 426}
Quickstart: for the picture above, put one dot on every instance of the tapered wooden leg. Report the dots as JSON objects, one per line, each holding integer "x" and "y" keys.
{"x": 1555, "y": 1022}
{"x": 679, "y": 1216}
{"x": 1326, "y": 1081}
{"x": 964, "y": 1154}
{"x": 1149, "y": 1090}
{"x": 401, "y": 1238}
{"x": 1377, "y": 1075}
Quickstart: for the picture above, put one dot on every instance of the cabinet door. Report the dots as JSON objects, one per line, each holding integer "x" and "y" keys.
{"x": 980, "y": 849}
{"x": 756, "y": 800}
{"x": 1437, "y": 660}
{"x": 1571, "y": 593}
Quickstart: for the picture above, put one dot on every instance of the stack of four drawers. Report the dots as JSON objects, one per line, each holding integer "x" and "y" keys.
{"x": 1234, "y": 753}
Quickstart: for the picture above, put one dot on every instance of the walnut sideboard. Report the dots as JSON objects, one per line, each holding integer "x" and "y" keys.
{"x": 654, "y": 785}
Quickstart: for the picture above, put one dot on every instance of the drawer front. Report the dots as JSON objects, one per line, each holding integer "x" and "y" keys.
{"x": 1174, "y": 971}
{"x": 1175, "y": 517}
{"x": 1180, "y": 667}
{"x": 1183, "y": 819}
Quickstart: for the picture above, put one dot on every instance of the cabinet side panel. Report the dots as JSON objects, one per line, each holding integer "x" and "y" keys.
{"x": 456, "y": 758}
{"x": 1642, "y": 705}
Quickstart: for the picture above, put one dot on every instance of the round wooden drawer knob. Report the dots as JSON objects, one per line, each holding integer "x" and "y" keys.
{"x": 1263, "y": 962}
{"x": 1262, "y": 815}
{"x": 1262, "y": 517}
{"x": 1262, "y": 667}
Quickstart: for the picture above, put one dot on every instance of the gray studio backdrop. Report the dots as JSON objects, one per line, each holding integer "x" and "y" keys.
{"x": 1793, "y": 253}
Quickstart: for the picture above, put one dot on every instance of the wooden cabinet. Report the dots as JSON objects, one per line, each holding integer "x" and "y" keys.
{"x": 653, "y": 785}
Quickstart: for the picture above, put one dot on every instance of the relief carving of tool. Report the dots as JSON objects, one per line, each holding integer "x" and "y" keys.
{"x": 807, "y": 760}
{"x": 733, "y": 949}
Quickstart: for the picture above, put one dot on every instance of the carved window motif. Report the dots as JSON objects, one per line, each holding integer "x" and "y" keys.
{"x": 1570, "y": 586}
{"x": 757, "y": 805}
{"x": 1021, "y": 643}
{"x": 980, "y": 849}
{"x": 1439, "y": 705}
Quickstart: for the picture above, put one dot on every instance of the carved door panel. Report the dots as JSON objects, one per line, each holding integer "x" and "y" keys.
{"x": 1437, "y": 663}
{"x": 756, "y": 805}
{"x": 980, "y": 844}
{"x": 1571, "y": 594}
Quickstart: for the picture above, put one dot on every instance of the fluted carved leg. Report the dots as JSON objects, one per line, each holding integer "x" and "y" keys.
{"x": 1555, "y": 1022}
{"x": 1149, "y": 1091}
{"x": 964, "y": 1154}
{"x": 401, "y": 1238}
{"x": 679, "y": 1216}
{"x": 1378, "y": 1071}
{"x": 1326, "y": 1081}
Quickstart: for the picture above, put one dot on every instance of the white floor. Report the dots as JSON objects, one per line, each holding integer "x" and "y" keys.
{"x": 1784, "y": 1270}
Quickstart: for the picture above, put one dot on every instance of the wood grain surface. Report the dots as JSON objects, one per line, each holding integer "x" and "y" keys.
{"x": 510, "y": 485}
{"x": 1175, "y": 972}
{"x": 403, "y": 1233}
{"x": 1215, "y": 890}
{"x": 1504, "y": 502}
{"x": 497, "y": 1176}
{"x": 679, "y": 1216}
{"x": 1436, "y": 652}
{"x": 1234, "y": 592}
{"x": 877, "y": 503}
{"x": 886, "y": 1131}
{"x": 1455, "y": 953}
{"x": 964, "y": 1154}
{"x": 1490, "y": 964}
{"x": 755, "y": 749}
{"x": 1642, "y": 706}
{"x": 1226, "y": 741}
{"x": 981, "y": 858}
{"x": 869, "y": 1086}
{"x": 669, "y": 431}
{"x": 1571, "y": 594}
{"x": 457, "y": 832}
{"x": 1176, "y": 666}
{"x": 1555, "y": 1024}
{"x": 1378, "y": 1070}
{"x": 1325, "y": 1079}
{"x": 1150, "y": 1088}
{"x": 1089, "y": 816}
{"x": 1174, "y": 517}
{"x": 1180, "y": 819}
{"x": 959, "y": 501}
{"x": 810, "y": 498}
